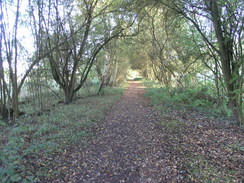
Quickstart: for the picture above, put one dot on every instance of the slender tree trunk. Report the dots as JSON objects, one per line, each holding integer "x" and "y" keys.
{"x": 216, "y": 78}
{"x": 115, "y": 73}
{"x": 15, "y": 97}
{"x": 3, "y": 91}
{"x": 15, "y": 104}
{"x": 99, "y": 72}
{"x": 106, "y": 68}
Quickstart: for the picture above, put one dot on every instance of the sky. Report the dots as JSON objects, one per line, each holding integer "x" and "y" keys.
{"x": 23, "y": 34}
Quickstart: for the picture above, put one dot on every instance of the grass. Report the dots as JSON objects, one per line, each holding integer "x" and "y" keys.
{"x": 27, "y": 147}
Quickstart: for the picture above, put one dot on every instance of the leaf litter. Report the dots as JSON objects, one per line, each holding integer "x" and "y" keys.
{"x": 137, "y": 144}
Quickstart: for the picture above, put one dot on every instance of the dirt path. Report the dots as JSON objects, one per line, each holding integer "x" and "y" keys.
{"x": 129, "y": 147}
{"x": 135, "y": 144}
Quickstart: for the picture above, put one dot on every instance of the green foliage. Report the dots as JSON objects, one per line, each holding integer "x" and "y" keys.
{"x": 200, "y": 97}
{"x": 22, "y": 129}
{"x": 11, "y": 157}
{"x": 41, "y": 147}
{"x": 137, "y": 79}
{"x": 36, "y": 138}
{"x": 2, "y": 124}
{"x": 90, "y": 88}
{"x": 201, "y": 170}
{"x": 236, "y": 147}
{"x": 113, "y": 90}
{"x": 45, "y": 128}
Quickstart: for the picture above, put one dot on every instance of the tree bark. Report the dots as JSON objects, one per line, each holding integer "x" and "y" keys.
{"x": 226, "y": 57}
{"x": 115, "y": 73}
{"x": 106, "y": 68}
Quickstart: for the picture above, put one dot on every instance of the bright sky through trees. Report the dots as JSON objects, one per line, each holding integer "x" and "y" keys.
{"x": 24, "y": 34}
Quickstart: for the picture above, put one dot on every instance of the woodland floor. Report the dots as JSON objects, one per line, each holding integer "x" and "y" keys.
{"x": 136, "y": 144}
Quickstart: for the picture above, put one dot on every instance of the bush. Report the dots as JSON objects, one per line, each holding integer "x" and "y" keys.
{"x": 201, "y": 98}
{"x": 2, "y": 124}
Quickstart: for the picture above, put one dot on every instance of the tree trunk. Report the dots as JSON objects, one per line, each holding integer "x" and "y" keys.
{"x": 68, "y": 94}
{"x": 3, "y": 92}
{"x": 99, "y": 72}
{"x": 226, "y": 57}
{"x": 106, "y": 68}
{"x": 115, "y": 73}
{"x": 15, "y": 100}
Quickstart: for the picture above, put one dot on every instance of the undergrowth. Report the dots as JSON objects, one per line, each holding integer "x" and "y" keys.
{"x": 205, "y": 153}
{"x": 201, "y": 98}
{"x": 27, "y": 147}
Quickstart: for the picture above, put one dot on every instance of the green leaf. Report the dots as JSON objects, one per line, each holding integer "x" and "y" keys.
{"x": 2, "y": 172}
{"x": 15, "y": 178}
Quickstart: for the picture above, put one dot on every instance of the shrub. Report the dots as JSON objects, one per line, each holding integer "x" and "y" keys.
{"x": 201, "y": 98}
{"x": 2, "y": 124}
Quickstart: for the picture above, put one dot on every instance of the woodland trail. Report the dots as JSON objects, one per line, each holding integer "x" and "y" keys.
{"x": 128, "y": 147}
